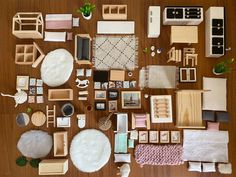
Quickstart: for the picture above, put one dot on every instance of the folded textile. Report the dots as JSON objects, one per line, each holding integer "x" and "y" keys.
{"x": 58, "y": 21}
{"x": 55, "y": 36}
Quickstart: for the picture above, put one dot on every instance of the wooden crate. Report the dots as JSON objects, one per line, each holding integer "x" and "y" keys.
{"x": 60, "y": 94}
{"x": 114, "y": 12}
{"x": 60, "y": 144}
{"x": 53, "y": 167}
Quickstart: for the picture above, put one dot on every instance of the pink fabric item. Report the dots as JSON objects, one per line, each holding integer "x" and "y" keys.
{"x": 159, "y": 154}
{"x": 59, "y": 24}
{"x": 69, "y": 36}
{"x": 140, "y": 123}
{"x": 213, "y": 126}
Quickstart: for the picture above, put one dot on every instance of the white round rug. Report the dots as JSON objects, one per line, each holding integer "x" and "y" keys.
{"x": 90, "y": 150}
{"x": 57, "y": 67}
{"x": 35, "y": 144}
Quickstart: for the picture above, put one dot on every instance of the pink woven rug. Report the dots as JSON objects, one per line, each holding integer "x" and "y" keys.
{"x": 159, "y": 154}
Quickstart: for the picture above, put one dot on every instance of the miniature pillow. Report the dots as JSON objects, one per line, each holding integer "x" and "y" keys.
{"x": 213, "y": 126}
{"x": 194, "y": 166}
{"x": 208, "y": 167}
{"x": 225, "y": 168}
{"x": 122, "y": 158}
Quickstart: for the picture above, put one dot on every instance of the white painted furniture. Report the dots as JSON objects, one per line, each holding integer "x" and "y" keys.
{"x": 53, "y": 167}
{"x": 122, "y": 123}
{"x": 114, "y": 12}
{"x": 214, "y": 32}
{"x": 115, "y": 27}
{"x": 187, "y": 75}
{"x": 154, "y": 19}
{"x": 182, "y": 15}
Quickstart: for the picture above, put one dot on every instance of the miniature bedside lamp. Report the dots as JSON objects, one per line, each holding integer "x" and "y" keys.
{"x": 20, "y": 97}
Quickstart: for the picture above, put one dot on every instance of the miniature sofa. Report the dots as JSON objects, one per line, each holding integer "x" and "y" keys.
{"x": 82, "y": 48}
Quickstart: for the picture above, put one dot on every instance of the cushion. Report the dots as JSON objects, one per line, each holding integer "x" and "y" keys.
{"x": 208, "y": 167}
{"x": 213, "y": 126}
{"x": 215, "y": 98}
{"x": 122, "y": 158}
{"x": 208, "y": 115}
{"x": 222, "y": 116}
{"x": 75, "y": 22}
{"x": 194, "y": 166}
{"x": 69, "y": 36}
{"x": 225, "y": 168}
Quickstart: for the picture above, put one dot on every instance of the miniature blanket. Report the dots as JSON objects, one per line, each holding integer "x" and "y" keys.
{"x": 58, "y": 21}
{"x": 159, "y": 154}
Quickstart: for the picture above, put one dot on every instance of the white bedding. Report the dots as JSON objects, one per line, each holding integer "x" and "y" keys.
{"x": 208, "y": 146}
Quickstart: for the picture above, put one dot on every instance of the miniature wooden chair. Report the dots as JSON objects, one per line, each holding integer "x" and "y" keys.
{"x": 174, "y": 55}
{"x": 192, "y": 57}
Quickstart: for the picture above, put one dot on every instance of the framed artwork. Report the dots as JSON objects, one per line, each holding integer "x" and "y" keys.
{"x": 112, "y": 106}
{"x": 100, "y": 95}
{"x": 22, "y": 82}
{"x": 164, "y": 137}
{"x": 153, "y": 136}
{"x": 131, "y": 99}
{"x": 175, "y": 136}
{"x": 100, "y": 106}
{"x": 113, "y": 94}
{"x": 143, "y": 136}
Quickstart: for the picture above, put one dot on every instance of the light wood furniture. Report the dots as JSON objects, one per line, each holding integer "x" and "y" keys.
{"x": 122, "y": 123}
{"x": 189, "y": 109}
{"x": 60, "y": 94}
{"x": 184, "y": 34}
{"x": 60, "y": 144}
{"x": 115, "y": 27}
{"x": 154, "y": 20}
{"x": 53, "y": 167}
{"x": 192, "y": 58}
{"x": 117, "y": 75}
{"x": 28, "y": 25}
{"x": 83, "y": 48}
{"x": 22, "y": 82}
{"x": 38, "y": 118}
{"x": 187, "y": 75}
{"x": 174, "y": 55}
{"x": 140, "y": 120}
{"x": 114, "y": 12}
{"x": 51, "y": 115}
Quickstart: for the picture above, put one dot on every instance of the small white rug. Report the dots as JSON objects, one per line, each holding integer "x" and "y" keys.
{"x": 35, "y": 144}
{"x": 115, "y": 52}
{"x": 90, "y": 150}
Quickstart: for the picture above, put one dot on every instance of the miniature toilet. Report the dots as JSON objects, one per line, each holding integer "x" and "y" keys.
{"x": 81, "y": 120}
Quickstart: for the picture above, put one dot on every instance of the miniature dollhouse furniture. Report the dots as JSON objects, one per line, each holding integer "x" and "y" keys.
{"x": 58, "y": 21}
{"x": 55, "y": 36}
{"x": 53, "y": 167}
{"x": 28, "y": 25}
{"x": 187, "y": 75}
{"x": 121, "y": 140}
{"x": 60, "y": 144}
{"x": 83, "y": 48}
{"x": 60, "y": 94}
{"x": 115, "y": 27}
{"x": 51, "y": 115}
{"x": 57, "y": 67}
{"x": 114, "y": 12}
{"x": 189, "y": 109}
{"x": 154, "y": 20}
{"x": 190, "y": 34}
{"x": 122, "y": 123}
{"x": 174, "y": 55}
{"x": 214, "y": 32}
{"x": 140, "y": 121}
{"x": 192, "y": 58}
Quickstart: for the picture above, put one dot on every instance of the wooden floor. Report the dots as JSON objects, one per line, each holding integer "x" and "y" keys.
{"x": 137, "y": 10}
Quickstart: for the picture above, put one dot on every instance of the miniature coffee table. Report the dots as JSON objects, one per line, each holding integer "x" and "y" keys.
{"x": 57, "y": 67}
{"x": 38, "y": 118}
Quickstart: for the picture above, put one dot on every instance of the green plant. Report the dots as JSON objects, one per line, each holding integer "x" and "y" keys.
{"x": 86, "y": 9}
{"x": 145, "y": 50}
{"x": 29, "y": 110}
{"x": 35, "y": 163}
{"x": 224, "y": 66}
{"x": 21, "y": 161}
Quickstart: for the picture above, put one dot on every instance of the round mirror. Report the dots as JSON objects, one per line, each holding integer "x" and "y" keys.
{"x": 22, "y": 119}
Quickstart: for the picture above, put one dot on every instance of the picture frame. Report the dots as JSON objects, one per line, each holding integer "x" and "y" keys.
{"x": 22, "y": 82}
{"x": 175, "y": 136}
{"x": 100, "y": 95}
{"x": 143, "y": 136}
{"x": 153, "y": 136}
{"x": 113, "y": 94}
{"x": 164, "y": 136}
{"x": 112, "y": 106}
{"x": 100, "y": 106}
{"x": 131, "y": 99}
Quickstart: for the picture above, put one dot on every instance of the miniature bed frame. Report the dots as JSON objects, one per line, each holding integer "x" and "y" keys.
{"x": 174, "y": 55}
{"x": 28, "y": 25}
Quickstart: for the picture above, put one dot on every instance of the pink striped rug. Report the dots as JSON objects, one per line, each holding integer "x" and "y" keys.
{"x": 146, "y": 154}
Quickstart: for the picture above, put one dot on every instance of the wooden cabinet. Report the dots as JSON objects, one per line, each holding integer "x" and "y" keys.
{"x": 53, "y": 167}
{"x": 60, "y": 94}
{"x": 154, "y": 19}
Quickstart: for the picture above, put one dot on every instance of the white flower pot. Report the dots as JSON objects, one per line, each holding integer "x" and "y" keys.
{"x": 88, "y": 17}
{"x": 213, "y": 70}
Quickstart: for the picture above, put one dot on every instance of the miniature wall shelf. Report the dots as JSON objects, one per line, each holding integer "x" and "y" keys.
{"x": 60, "y": 144}
{"x": 26, "y": 54}
{"x": 28, "y": 25}
{"x": 53, "y": 167}
{"x": 114, "y": 12}
{"x": 60, "y": 94}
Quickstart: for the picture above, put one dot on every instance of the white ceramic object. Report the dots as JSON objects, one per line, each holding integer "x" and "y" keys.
{"x": 153, "y": 54}
{"x": 152, "y": 48}
{"x": 57, "y": 67}
{"x": 88, "y": 17}
{"x": 81, "y": 120}
{"x": 20, "y": 97}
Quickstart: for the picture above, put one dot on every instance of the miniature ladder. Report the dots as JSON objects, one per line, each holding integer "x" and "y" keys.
{"x": 51, "y": 115}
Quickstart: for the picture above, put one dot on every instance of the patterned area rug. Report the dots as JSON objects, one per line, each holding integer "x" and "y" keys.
{"x": 115, "y": 52}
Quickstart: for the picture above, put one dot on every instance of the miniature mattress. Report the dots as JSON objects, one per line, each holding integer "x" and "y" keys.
{"x": 159, "y": 154}
{"x": 215, "y": 98}
{"x": 58, "y": 21}
{"x": 90, "y": 150}
{"x": 55, "y": 36}
{"x": 203, "y": 145}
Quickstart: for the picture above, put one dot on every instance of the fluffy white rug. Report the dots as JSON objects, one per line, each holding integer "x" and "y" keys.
{"x": 90, "y": 150}
{"x": 35, "y": 143}
{"x": 57, "y": 67}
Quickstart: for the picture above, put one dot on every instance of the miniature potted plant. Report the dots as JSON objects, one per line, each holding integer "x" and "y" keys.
{"x": 86, "y": 10}
{"x": 223, "y": 67}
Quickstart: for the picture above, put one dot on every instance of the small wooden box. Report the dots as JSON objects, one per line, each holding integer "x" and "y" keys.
{"x": 60, "y": 142}
{"x": 114, "y": 12}
{"x": 117, "y": 75}
{"x": 53, "y": 167}
{"x": 60, "y": 94}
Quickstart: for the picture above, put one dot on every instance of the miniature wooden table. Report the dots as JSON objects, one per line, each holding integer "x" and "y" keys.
{"x": 38, "y": 118}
